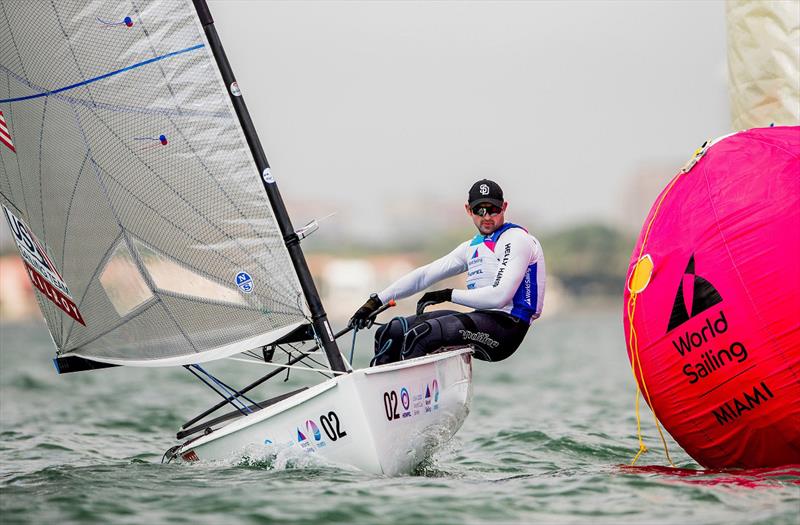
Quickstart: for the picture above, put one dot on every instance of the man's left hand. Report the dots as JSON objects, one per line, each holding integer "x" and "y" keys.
{"x": 363, "y": 318}
{"x": 431, "y": 298}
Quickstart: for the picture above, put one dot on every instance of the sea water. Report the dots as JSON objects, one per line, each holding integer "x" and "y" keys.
{"x": 548, "y": 440}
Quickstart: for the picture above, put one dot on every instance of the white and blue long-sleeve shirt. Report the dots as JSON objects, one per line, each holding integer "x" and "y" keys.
{"x": 505, "y": 272}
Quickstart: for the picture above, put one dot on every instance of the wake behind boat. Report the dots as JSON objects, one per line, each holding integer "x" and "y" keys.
{"x": 152, "y": 228}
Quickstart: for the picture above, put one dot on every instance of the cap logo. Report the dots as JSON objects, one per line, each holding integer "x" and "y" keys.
{"x": 484, "y": 189}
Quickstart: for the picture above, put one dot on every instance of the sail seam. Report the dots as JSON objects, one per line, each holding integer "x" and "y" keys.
{"x": 214, "y": 302}
{"x": 6, "y": 170}
{"x": 214, "y": 217}
{"x": 11, "y": 204}
{"x": 197, "y": 212}
{"x": 111, "y": 107}
{"x": 140, "y": 266}
{"x": 72, "y": 52}
{"x": 105, "y": 75}
{"x": 153, "y": 50}
{"x": 10, "y": 109}
{"x": 166, "y": 219}
{"x": 14, "y": 41}
{"x": 69, "y": 210}
{"x": 41, "y": 183}
{"x": 8, "y": 179}
{"x": 141, "y": 309}
{"x": 199, "y": 159}
{"x": 41, "y": 138}
{"x": 66, "y": 224}
{"x": 10, "y": 120}
{"x": 177, "y": 324}
{"x": 196, "y": 240}
{"x": 96, "y": 271}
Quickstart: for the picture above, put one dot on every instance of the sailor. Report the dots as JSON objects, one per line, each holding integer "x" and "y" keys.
{"x": 505, "y": 284}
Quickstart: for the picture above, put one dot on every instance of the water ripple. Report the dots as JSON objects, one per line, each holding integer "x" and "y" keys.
{"x": 548, "y": 441}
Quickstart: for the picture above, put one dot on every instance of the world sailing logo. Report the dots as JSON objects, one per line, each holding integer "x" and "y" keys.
{"x": 694, "y": 296}
{"x": 40, "y": 267}
{"x": 310, "y": 430}
{"x": 313, "y": 429}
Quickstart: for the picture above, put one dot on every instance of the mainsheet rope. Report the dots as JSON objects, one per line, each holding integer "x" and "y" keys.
{"x": 636, "y": 363}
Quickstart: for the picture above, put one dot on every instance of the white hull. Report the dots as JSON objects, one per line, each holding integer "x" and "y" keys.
{"x": 384, "y": 420}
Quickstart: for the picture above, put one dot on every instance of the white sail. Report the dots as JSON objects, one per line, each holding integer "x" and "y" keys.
{"x": 764, "y": 62}
{"x": 130, "y": 188}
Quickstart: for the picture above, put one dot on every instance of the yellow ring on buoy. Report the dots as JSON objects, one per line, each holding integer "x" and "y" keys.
{"x": 642, "y": 272}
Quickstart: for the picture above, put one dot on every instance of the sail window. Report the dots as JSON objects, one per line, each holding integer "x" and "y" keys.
{"x": 124, "y": 285}
{"x": 170, "y": 276}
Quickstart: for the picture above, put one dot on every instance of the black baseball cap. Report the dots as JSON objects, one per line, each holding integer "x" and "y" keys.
{"x": 485, "y": 190}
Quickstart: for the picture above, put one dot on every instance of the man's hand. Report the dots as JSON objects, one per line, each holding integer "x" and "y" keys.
{"x": 431, "y": 298}
{"x": 362, "y": 318}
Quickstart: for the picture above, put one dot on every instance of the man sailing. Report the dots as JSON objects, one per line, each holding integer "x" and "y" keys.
{"x": 505, "y": 284}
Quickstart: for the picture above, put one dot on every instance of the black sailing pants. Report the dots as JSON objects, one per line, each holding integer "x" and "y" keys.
{"x": 494, "y": 335}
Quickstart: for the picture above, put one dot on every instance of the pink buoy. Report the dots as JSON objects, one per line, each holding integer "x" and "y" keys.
{"x": 712, "y": 305}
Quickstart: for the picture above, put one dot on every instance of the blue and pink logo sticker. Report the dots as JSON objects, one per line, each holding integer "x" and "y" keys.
{"x": 311, "y": 429}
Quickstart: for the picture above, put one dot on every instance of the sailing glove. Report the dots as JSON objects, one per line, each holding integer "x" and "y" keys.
{"x": 431, "y": 298}
{"x": 363, "y": 317}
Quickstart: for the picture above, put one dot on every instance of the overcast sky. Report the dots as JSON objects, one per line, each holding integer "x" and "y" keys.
{"x": 365, "y": 106}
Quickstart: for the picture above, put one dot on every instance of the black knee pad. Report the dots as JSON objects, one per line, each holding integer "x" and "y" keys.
{"x": 389, "y": 341}
{"x": 422, "y": 339}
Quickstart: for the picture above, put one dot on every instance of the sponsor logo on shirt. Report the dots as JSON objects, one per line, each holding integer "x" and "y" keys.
{"x": 503, "y": 265}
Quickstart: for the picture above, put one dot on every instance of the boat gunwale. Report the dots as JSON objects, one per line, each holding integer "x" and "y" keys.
{"x": 408, "y": 363}
{"x": 314, "y": 391}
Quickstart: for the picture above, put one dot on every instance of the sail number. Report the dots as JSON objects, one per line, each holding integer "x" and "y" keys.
{"x": 390, "y": 405}
{"x": 331, "y": 426}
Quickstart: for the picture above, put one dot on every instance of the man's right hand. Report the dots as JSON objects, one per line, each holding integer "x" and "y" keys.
{"x": 363, "y": 316}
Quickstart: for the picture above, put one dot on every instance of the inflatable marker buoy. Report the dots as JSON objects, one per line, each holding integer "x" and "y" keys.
{"x": 712, "y": 302}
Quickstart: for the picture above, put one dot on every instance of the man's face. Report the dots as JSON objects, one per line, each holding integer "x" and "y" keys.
{"x": 488, "y": 223}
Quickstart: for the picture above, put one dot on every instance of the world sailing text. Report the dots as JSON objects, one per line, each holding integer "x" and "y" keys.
{"x": 705, "y": 361}
{"x": 690, "y": 340}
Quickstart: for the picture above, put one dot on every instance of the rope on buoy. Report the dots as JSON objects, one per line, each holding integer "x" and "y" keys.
{"x": 633, "y": 341}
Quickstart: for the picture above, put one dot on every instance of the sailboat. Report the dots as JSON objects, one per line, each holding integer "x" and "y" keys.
{"x": 151, "y": 226}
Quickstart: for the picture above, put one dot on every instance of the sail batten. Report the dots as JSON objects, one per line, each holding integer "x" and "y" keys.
{"x": 132, "y": 193}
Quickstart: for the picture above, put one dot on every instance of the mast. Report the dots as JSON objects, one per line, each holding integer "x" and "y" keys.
{"x": 319, "y": 319}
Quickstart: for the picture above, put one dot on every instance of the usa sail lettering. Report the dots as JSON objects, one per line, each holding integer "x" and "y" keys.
{"x": 54, "y": 294}
{"x": 40, "y": 268}
{"x": 709, "y": 360}
{"x": 32, "y": 252}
